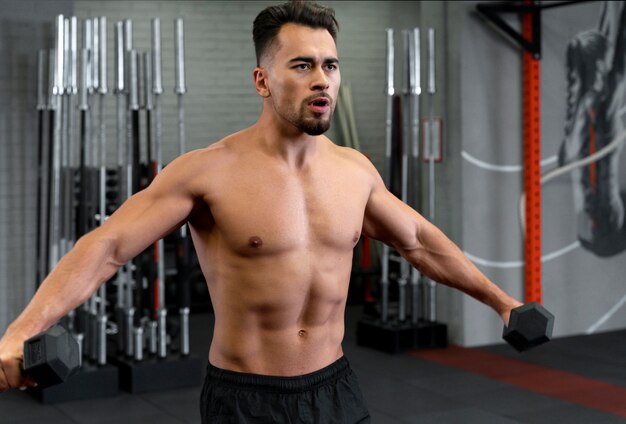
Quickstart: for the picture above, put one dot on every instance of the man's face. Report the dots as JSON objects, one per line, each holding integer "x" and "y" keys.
{"x": 303, "y": 77}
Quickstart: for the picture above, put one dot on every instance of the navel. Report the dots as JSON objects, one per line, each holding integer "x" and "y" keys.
{"x": 255, "y": 242}
{"x": 302, "y": 333}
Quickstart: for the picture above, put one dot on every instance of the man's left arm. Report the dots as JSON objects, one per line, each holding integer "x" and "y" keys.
{"x": 426, "y": 248}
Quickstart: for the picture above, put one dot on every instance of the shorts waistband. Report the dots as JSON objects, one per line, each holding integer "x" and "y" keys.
{"x": 270, "y": 383}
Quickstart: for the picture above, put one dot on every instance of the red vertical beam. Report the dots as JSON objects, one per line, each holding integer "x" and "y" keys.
{"x": 532, "y": 169}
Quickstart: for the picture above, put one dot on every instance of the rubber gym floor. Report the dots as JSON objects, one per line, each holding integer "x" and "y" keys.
{"x": 570, "y": 380}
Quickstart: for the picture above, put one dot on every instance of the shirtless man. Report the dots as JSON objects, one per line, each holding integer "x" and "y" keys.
{"x": 275, "y": 212}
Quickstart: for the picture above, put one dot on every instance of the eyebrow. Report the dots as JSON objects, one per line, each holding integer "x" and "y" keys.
{"x": 310, "y": 59}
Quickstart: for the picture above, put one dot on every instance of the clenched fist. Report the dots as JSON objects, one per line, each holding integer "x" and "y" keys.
{"x": 11, "y": 358}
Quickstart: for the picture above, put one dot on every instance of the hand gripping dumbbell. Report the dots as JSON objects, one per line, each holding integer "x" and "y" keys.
{"x": 529, "y": 325}
{"x": 51, "y": 357}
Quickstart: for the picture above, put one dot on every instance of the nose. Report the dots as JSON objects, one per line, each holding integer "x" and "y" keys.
{"x": 319, "y": 81}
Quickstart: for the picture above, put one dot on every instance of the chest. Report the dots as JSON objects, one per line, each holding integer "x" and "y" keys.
{"x": 272, "y": 212}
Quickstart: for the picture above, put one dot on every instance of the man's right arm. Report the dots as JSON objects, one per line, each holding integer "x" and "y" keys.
{"x": 144, "y": 218}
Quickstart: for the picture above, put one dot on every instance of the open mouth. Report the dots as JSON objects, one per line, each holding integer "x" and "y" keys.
{"x": 320, "y": 102}
{"x": 319, "y": 105}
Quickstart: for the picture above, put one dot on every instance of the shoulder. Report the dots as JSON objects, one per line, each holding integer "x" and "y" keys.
{"x": 355, "y": 159}
{"x": 193, "y": 170}
{"x": 204, "y": 159}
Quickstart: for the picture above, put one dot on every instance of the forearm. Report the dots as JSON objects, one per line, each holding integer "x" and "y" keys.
{"x": 440, "y": 259}
{"x": 77, "y": 275}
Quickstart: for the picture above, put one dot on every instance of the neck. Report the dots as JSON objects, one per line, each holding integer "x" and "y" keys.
{"x": 282, "y": 140}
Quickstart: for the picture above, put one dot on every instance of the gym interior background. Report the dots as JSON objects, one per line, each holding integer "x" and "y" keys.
{"x": 479, "y": 99}
{"x": 479, "y": 181}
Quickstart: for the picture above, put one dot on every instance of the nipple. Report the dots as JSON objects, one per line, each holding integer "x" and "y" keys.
{"x": 356, "y": 237}
{"x": 302, "y": 333}
{"x": 255, "y": 242}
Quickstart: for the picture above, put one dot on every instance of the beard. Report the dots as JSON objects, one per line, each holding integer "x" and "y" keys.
{"x": 311, "y": 125}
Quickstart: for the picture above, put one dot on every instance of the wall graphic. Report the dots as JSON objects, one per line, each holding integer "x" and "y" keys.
{"x": 583, "y": 113}
{"x": 595, "y": 123}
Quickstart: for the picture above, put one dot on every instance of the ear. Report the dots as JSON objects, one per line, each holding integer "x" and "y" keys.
{"x": 261, "y": 83}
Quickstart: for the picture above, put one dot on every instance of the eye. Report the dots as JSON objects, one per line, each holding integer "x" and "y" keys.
{"x": 302, "y": 66}
{"x": 331, "y": 67}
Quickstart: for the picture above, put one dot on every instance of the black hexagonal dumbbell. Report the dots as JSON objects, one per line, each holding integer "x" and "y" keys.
{"x": 51, "y": 357}
{"x": 529, "y": 325}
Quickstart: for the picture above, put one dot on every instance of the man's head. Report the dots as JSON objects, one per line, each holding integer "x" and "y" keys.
{"x": 298, "y": 72}
{"x": 585, "y": 57}
{"x": 268, "y": 23}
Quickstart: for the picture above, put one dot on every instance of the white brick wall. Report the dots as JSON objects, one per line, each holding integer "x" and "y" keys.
{"x": 220, "y": 60}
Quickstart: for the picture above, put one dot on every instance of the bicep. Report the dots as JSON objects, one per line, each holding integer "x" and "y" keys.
{"x": 150, "y": 214}
{"x": 390, "y": 220}
{"x": 386, "y": 217}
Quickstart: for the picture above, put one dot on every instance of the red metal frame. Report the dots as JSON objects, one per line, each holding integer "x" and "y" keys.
{"x": 532, "y": 167}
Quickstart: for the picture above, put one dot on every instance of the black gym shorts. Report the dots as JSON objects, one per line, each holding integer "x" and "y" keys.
{"x": 328, "y": 396}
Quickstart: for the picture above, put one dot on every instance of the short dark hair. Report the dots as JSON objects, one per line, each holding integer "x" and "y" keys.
{"x": 308, "y": 13}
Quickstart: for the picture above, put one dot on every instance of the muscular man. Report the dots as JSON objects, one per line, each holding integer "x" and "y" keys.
{"x": 275, "y": 212}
